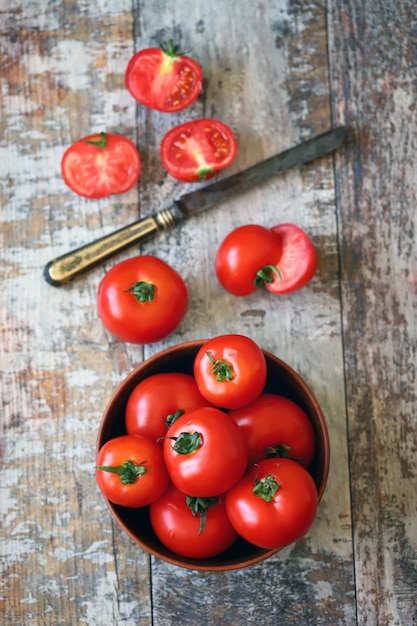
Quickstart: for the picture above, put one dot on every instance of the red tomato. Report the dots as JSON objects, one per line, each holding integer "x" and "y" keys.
{"x": 100, "y": 165}
{"x": 142, "y": 300}
{"x": 162, "y": 79}
{"x": 198, "y": 149}
{"x": 154, "y": 402}
{"x": 245, "y": 258}
{"x": 196, "y": 528}
{"x": 130, "y": 471}
{"x": 298, "y": 261}
{"x": 274, "y": 504}
{"x": 205, "y": 452}
{"x": 275, "y": 426}
{"x": 230, "y": 371}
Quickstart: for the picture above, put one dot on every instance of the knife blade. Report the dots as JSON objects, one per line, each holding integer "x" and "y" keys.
{"x": 70, "y": 265}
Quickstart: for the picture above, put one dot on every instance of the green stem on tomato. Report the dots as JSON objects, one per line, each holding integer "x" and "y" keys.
{"x": 282, "y": 451}
{"x": 128, "y": 472}
{"x": 200, "y": 506}
{"x": 143, "y": 291}
{"x": 172, "y": 417}
{"x": 187, "y": 443}
{"x": 204, "y": 171}
{"x": 266, "y": 488}
{"x": 221, "y": 369}
{"x": 101, "y": 143}
{"x": 169, "y": 49}
{"x": 266, "y": 275}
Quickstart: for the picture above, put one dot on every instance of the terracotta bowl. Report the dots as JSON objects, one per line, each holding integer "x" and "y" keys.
{"x": 282, "y": 380}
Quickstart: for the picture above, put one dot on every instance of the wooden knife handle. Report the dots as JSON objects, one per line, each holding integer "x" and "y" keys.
{"x": 66, "y": 267}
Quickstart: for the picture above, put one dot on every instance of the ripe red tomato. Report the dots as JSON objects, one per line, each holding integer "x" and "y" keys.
{"x": 245, "y": 258}
{"x": 142, "y": 300}
{"x": 163, "y": 79}
{"x": 274, "y": 504}
{"x": 196, "y": 528}
{"x": 275, "y": 426}
{"x": 100, "y": 165}
{"x": 230, "y": 370}
{"x": 205, "y": 452}
{"x": 298, "y": 262}
{"x": 130, "y": 471}
{"x": 197, "y": 150}
{"x": 157, "y": 399}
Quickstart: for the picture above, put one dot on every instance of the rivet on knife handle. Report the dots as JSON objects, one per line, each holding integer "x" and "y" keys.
{"x": 68, "y": 266}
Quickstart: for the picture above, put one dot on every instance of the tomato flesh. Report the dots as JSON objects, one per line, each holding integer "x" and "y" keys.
{"x": 197, "y": 150}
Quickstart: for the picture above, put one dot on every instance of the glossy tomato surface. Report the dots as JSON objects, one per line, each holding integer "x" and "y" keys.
{"x": 179, "y": 530}
{"x": 286, "y": 517}
{"x": 198, "y": 149}
{"x": 164, "y": 80}
{"x": 215, "y": 461}
{"x": 155, "y": 401}
{"x": 230, "y": 370}
{"x": 298, "y": 261}
{"x": 142, "y": 300}
{"x": 242, "y": 254}
{"x": 275, "y": 426}
{"x": 100, "y": 165}
{"x": 141, "y": 481}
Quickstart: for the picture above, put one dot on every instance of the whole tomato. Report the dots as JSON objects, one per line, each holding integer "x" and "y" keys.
{"x": 230, "y": 370}
{"x": 193, "y": 527}
{"x": 205, "y": 452}
{"x": 142, "y": 300}
{"x": 275, "y": 426}
{"x": 274, "y": 504}
{"x": 158, "y": 400}
{"x": 163, "y": 79}
{"x": 130, "y": 471}
{"x": 100, "y": 165}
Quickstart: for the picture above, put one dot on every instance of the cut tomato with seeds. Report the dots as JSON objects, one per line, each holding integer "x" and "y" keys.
{"x": 198, "y": 149}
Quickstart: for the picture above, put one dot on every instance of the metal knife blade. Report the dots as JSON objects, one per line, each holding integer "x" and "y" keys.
{"x": 68, "y": 266}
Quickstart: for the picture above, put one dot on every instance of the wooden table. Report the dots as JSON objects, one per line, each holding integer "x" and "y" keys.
{"x": 277, "y": 72}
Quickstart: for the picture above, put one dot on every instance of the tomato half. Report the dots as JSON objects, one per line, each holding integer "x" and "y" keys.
{"x": 130, "y": 471}
{"x": 142, "y": 299}
{"x": 244, "y": 256}
{"x": 162, "y": 79}
{"x": 100, "y": 165}
{"x": 274, "y": 504}
{"x": 192, "y": 527}
{"x": 157, "y": 400}
{"x": 205, "y": 452}
{"x": 275, "y": 426}
{"x": 230, "y": 370}
{"x": 197, "y": 150}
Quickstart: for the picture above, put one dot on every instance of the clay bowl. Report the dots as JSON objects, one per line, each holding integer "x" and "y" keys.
{"x": 282, "y": 379}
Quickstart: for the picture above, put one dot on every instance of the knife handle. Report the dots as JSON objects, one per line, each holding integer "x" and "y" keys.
{"x": 66, "y": 267}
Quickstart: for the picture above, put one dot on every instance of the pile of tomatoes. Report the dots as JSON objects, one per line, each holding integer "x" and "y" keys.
{"x": 213, "y": 456}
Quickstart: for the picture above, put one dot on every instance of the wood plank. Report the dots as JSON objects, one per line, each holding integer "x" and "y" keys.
{"x": 373, "y": 58}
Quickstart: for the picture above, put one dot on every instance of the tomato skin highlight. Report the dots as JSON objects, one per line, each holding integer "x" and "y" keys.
{"x": 142, "y": 322}
{"x": 141, "y": 451}
{"x": 298, "y": 261}
{"x": 275, "y": 421}
{"x": 163, "y": 80}
{"x": 283, "y": 520}
{"x": 218, "y": 462}
{"x": 155, "y": 398}
{"x": 198, "y": 149}
{"x": 177, "y": 528}
{"x": 242, "y": 253}
{"x": 248, "y": 367}
{"x": 94, "y": 170}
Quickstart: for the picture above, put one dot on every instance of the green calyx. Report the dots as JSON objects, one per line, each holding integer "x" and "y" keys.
{"x": 266, "y": 488}
{"x": 172, "y": 417}
{"x": 200, "y": 506}
{"x": 222, "y": 370}
{"x": 143, "y": 291}
{"x": 101, "y": 143}
{"x": 187, "y": 443}
{"x": 128, "y": 472}
{"x": 266, "y": 275}
{"x": 169, "y": 49}
{"x": 204, "y": 172}
{"x": 282, "y": 451}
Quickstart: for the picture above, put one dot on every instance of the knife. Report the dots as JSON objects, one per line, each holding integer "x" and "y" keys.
{"x": 70, "y": 265}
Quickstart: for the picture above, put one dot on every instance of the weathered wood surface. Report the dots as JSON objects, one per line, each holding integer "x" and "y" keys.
{"x": 276, "y": 71}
